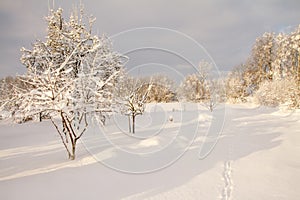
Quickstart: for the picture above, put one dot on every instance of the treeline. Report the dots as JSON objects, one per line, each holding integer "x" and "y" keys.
{"x": 271, "y": 74}
{"x": 74, "y": 76}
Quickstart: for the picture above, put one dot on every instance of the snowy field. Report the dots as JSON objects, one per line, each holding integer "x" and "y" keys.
{"x": 179, "y": 151}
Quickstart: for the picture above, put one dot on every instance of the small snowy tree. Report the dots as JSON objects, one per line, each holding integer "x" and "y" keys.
{"x": 132, "y": 99}
{"x": 71, "y": 77}
{"x": 198, "y": 87}
{"x": 190, "y": 88}
{"x": 217, "y": 93}
{"x": 236, "y": 85}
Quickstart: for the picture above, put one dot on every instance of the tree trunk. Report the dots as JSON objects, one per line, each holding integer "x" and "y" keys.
{"x": 211, "y": 107}
{"x": 72, "y": 156}
{"x": 129, "y": 124}
{"x": 133, "y": 124}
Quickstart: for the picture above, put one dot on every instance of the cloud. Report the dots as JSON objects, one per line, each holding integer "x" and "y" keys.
{"x": 226, "y": 28}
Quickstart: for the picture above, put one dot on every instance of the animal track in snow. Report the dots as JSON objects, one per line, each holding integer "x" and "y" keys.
{"x": 228, "y": 184}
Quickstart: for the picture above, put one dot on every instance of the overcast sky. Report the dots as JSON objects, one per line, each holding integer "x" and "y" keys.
{"x": 227, "y": 29}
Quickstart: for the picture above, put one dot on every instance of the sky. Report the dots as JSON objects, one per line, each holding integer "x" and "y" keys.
{"x": 225, "y": 29}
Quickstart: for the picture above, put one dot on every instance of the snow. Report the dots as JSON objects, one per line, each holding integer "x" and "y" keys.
{"x": 256, "y": 156}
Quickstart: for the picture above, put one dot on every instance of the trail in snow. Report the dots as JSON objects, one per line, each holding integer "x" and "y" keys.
{"x": 227, "y": 173}
{"x": 228, "y": 184}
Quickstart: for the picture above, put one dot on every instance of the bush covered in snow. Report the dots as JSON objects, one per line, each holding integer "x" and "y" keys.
{"x": 279, "y": 92}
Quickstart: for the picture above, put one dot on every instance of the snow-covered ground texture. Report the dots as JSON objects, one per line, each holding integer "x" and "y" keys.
{"x": 179, "y": 151}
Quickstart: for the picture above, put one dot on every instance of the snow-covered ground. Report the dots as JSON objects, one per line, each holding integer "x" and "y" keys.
{"x": 178, "y": 152}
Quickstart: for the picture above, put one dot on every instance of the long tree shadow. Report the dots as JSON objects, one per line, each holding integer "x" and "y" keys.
{"x": 31, "y": 149}
{"x": 242, "y": 135}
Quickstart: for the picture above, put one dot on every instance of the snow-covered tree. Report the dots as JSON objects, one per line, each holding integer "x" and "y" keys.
{"x": 282, "y": 59}
{"x": 6, "y": 94}
{"x": 9, "y": 88}
{"x": 71, "y": 76}
{"x": 279, "y": 92}
{"x": 132, "y": 98}
{"x": 206, "y": 87}
{"x": 262, "y": 57}
{"x": 196, "y": 87}
{"x": 217, "y": 93}
{"x": 236, "y": 85}
{"x": 274, "y": 60}
{"x": 294, "y": 46}
{"x": 191, "y": 88}
{"x": 162, "y": 89}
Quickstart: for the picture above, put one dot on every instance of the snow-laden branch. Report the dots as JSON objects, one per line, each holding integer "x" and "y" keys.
{"x": 69, "y": 77}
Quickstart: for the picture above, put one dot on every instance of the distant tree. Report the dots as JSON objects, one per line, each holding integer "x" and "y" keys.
{"x": 6, "y": 94}
{"x": 294, "y": 46}
{"x": 281, "y": 61}
{"x": 237, "y": 85}
{"x": 71, "y": 76}
{"x": 162, "y": 89}
{"x": 217, "y": 93}
{"x": 262, "y": 57}
{"x": 132, "y": 98}
{"x": 197, "y": 87}
{"x": 8, "y": 98}
{"x": 191, "y": 89}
